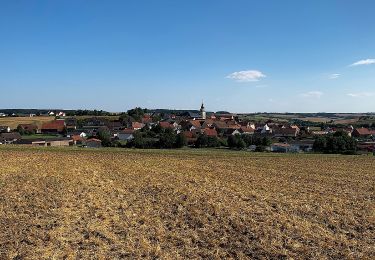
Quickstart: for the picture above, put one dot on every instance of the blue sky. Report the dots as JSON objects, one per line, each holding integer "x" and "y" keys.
{"x": 236, "y": 55}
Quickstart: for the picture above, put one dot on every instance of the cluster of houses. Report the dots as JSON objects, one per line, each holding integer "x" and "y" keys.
{"x": 286, "y": 137}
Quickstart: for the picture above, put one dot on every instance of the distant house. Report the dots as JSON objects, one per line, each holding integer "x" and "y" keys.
{"x": 168, "y": 124}
{"x": 232, "y": 131}
{"x": 137, "y": 125}
{"x": 114, "y": 125}
{"x": 285, "y": 131}
{"x": 9, "y": 138}
{"x": 30, "y": 128}
{"x": 363, "y": 132}
{"x": 4, "y": 129}
{"x": 247, "y": 130}
{"x": 126, "y": 134}
{"x": 190, "y": 136}
{"x": 303, "y": 145}
{"x": 77, "y": 139}
{"x": 2, "y": 115}
{"x": 282, "y": 148}
{"x": 266, "y": 129}
{"x": 93, "y": 143}
{"x": 221, "y": 125}
{"x": 61, "y": 114}
{"x": 71, "y": 123}
{"x": 146, "y": 119}
{"x": 53, "y": 127}
{"x": 63, "y": 141}
{"x": 210, "y": 132}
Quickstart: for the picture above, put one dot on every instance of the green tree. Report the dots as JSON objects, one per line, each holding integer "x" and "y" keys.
{"x": 180, "y": 141}
{"x": 167, "y": 139}
{"x": 105, "y": 136}
{"x": 136, "y": 113}
{"x": 202, "y": 141}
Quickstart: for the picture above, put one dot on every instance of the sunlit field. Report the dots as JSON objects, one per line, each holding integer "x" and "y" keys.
{"x": 113, "y": 204}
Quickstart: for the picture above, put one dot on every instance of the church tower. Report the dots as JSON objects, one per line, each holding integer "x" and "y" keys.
{"x": 203, "y": 111}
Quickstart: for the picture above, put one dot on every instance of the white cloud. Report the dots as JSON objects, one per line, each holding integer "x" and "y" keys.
{"x": 361, "y": 94}
{"x": 246, "y": 75}
{"x": 334, "y": 76}
{"x": 312, "y": 94}
{"x": 363, "y": 62}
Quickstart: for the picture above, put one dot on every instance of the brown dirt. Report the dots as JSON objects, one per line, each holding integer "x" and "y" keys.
{"x": 112, "y": 204}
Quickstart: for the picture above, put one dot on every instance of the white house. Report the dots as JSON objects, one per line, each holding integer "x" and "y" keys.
{"x": 266, "y": 129}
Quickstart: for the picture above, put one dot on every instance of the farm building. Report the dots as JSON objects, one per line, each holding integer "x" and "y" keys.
{"x": 53, "y": 127}
{"x": 363, "y": 132}
{"x": 63, "y": 141}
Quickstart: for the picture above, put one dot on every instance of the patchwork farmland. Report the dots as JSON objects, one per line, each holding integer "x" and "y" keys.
{"x": 112, "y": 204}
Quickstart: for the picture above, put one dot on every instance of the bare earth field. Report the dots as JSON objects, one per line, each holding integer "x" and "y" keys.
{"x": 115, "y": 204}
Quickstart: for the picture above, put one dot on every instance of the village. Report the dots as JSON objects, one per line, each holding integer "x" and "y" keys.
{"x": 142, "y": 129}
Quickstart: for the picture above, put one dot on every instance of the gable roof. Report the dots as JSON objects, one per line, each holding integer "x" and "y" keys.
{"x": 364, "y": 131}
{"x": 210, "y": 132}
{"x": 195, "y": 123}
{"x": 137, "y": 125}
{"x": 166, "y": 124}
{"x": 54, "y": 125}
{"x": 247, "y": 130}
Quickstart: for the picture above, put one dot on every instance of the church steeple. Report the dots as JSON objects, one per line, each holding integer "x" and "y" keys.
{"x": 202, "y": 106}
{"x": 203, "y": 111}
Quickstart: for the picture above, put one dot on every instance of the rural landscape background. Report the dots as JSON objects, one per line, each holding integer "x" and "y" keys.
{"x": 215, "y": 129}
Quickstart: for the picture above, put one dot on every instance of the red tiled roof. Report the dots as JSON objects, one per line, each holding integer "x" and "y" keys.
{"x": 165, "y": 124}
{"x": 195, "y": 123}
{"x": 210, "y": 132}
{"x": 247, "y": 130}
{"x": 137, "y": 125}
{"x": 54, "y": 125}
{"x": 146, "y": 119}
{"x": 364, "y": 131}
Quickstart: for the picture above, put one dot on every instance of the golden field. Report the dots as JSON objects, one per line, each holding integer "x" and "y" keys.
{"x": 116, "y": 204}
{"x": 13, "y": 122}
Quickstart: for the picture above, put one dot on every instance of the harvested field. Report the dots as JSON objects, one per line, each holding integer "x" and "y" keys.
{"x": 13, "y": 122}
{"x": 114, "y": 204}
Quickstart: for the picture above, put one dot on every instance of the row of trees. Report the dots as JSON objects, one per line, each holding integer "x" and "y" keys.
{"x": 157, "y": 137}
{"x": 243, "y": 141}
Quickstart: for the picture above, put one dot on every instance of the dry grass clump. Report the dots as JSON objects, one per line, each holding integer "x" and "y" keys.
{"x": 114, "y": 204}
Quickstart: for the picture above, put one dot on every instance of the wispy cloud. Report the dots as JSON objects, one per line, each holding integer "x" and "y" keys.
{"x": 361, "y": 94}
{"x": 334, "y": 76}
{"x": 246, "y": 75}
{"x": 363, "y": 62}
{"x": 312, "y": 94}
